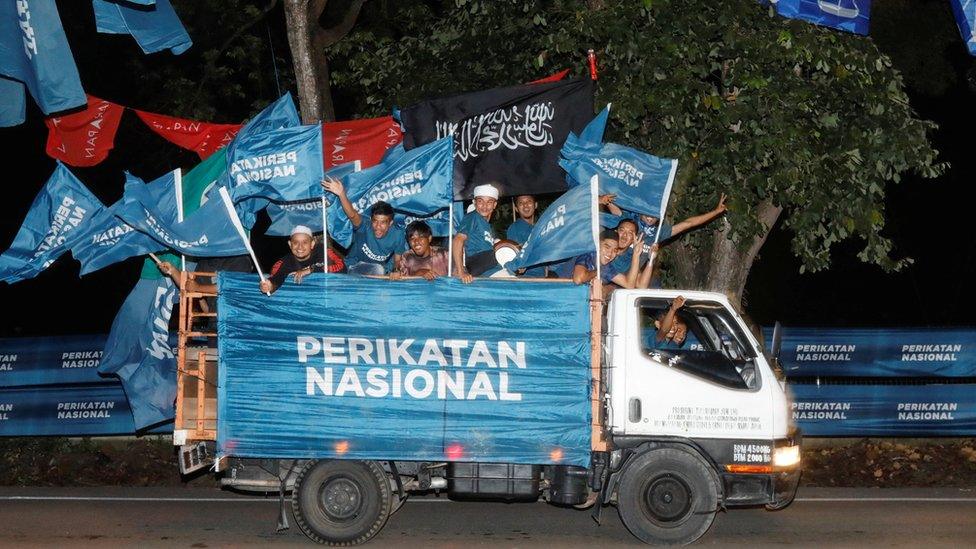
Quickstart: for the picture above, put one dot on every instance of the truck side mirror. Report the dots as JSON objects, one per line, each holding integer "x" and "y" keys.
{"x": 777, "y": 343}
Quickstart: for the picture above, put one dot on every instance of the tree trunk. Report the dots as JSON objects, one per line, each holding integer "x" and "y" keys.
{"x": 308, "y": 42}
{"x": 724, "y": 266}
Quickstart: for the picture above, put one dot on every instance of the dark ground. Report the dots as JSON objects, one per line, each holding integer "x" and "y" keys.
{"x": 151, "y": 461}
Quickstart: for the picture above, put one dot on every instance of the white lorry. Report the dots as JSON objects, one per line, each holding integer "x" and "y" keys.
{"x": 679, "y": 433}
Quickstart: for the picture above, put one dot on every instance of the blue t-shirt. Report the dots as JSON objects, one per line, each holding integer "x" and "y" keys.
{"x": 607, "y": 272}
{"x": 622, "y": 262}
{"x": 481, "y": 237}
{"x": 519, "y": 232}
{"x": 366, "y": 248}
{"x": 650, "y": 231}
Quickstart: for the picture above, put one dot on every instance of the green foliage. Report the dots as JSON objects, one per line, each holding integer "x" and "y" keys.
{"x": 754, "y": 105}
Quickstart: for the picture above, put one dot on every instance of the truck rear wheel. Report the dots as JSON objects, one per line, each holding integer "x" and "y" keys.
{"x": 338, "y": 502}
{"x": 667, "y": 496}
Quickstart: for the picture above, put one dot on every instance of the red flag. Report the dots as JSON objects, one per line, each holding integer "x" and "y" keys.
{"x": 552, "y": 78}
{"x": 203, "y": 138}
{"x": 365, "y": 140}
{"x": 84, "y": 138}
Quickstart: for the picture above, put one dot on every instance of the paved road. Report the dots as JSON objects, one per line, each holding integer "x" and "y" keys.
{"x": 110, "y": 517}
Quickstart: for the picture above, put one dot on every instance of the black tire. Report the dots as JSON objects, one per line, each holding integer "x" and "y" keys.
{"x": 667, "y": 497}
{"x": 341, "y": 503}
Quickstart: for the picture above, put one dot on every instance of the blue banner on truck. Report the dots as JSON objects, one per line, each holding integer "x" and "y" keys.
{"x": 66, "y": 411}
{"x": 341, "y": 366}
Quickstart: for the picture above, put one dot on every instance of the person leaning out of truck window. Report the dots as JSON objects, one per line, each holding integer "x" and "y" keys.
{"x": 474, "y": 252}
{"x": 376, "y": 246}
{"x": 307, "y": 256}
{"x": 422, "y": 259}
{"x": 671, "y": 330}
{"x": 584, "y": 269}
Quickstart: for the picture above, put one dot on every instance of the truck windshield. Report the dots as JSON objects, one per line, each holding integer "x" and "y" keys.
{"x": 713, "y": 348}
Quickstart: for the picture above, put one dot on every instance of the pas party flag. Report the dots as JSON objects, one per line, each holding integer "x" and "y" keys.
{"x": 35, "y": 51}
{"x": 280, "y": 165}
{"x": 509, "y": 137}
{"x": 84, "y": 138}
{"x": 154, "y": 25}
{"x": 565, "y": 229}
{"x": 364, "y": 140}
{"x": 207, "y": 232}
{"x": 846, "y": 15}
{"x": 55, "y": 222}
{"x": 202, "y": 138}
{"x": 417, "y": 182}
{"x": 640, "y": 180}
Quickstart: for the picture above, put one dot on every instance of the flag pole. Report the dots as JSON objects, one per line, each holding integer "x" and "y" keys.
{"x": 325, "y": 238}
{"x": 664, "y": 208}
{"x": 229, "y": 204}
{"x": 178, "y": 181}
{"x": 595, "y": 221}
{"x": 450, "y": 238}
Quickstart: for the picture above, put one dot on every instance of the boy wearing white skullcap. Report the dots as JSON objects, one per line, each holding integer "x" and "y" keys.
{"x": 475, "y": 239}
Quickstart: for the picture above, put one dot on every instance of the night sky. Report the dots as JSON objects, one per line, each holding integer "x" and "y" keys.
{"x": 929, "y": 221}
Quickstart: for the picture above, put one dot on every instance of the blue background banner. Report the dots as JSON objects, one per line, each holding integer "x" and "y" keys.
{"x": 352, "y": 367}
{"x": 66, "y": 411}
{"x": 51, "y": 360}
{"x": 885, "y": 410}
{"x": 876, "y": 352}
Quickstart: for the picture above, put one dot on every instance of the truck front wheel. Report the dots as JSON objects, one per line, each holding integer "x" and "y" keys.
{"x": 340, "y": 502}
{"x": 667, "y": 496}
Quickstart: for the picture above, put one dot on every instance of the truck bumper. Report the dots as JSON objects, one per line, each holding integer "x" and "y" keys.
{"x": 773, "y": 490}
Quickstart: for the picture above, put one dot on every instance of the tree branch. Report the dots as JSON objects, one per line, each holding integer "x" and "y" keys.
{"x": 335, "y": 33}
{"x": 211, "y": 65}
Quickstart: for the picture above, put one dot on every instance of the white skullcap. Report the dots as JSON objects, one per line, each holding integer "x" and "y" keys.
{"x": 301, "y": 229}
{"x": 486, "y": 190}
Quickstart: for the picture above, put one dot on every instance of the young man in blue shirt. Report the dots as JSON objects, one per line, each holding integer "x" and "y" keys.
{"x": 525, "y": 207}
{"x": 375, "y": 247}
{"x": 585, "y": 267}
{"x": 474, "y": 242}
{"x": 649, "y": 225}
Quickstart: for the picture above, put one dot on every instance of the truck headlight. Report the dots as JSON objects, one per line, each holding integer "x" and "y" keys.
{"x": 786, "y": 456}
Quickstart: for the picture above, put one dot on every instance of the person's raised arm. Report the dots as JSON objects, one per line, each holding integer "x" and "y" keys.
{"x": 668, "y": 321}
{"x": 607, "y": 200}
{"x": 335, "y": 187}
{"x": 699, "y": 220}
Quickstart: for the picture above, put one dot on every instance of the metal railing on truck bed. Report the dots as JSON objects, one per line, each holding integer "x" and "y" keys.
{"x": 196, "y": 363}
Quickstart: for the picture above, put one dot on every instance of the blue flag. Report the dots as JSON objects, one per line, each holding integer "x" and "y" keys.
{"x": 207, "y": 232}
{"x": 281, "y": 165}
{"x": 13, "y": 103}
{"x": 439, "y": 221}
{"x": 139, "y": 353}
{"x": 109, "y": 240}
{"x": 280, "y": 114}
{"x": 419, "y": 182}
{"x": 57, "y": 219}
{"x": 34, "y": 50}
{"x": 640, "y": 180}
{"x": 284, "y": 216}
{"x": 965, "y": 12}
{"x": 593, "y": 132}
{"x": 564, "y": 230}
{"x": 154, "y": 24}
{"x": 846, "y": 15}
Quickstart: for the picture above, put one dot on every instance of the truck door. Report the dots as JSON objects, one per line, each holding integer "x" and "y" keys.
{"x": 712, "y": 385}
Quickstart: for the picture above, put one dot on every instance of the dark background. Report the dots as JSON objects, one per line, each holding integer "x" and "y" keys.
{"x": 929, "y": 220}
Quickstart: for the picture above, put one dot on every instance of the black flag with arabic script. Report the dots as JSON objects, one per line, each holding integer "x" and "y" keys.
{"x": 510, "y": 137}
